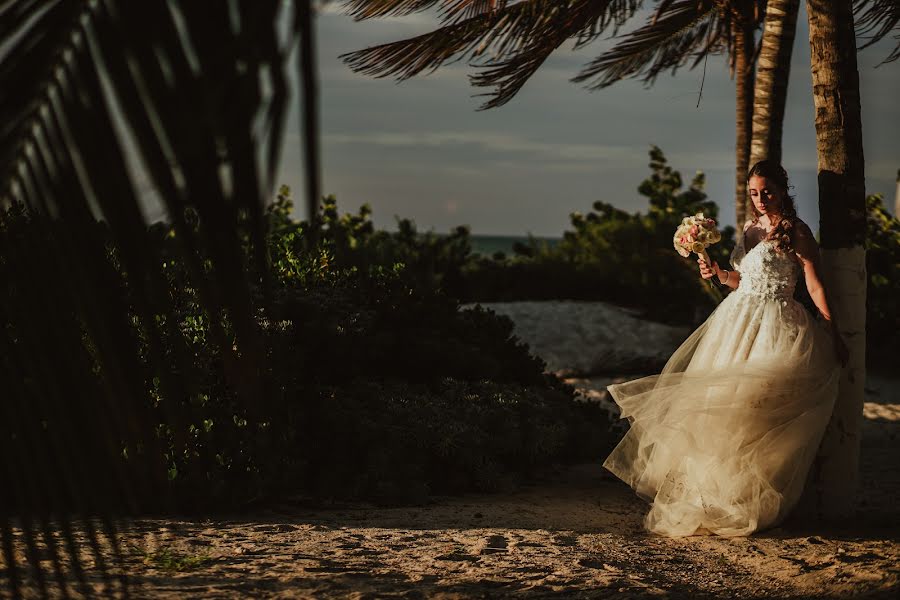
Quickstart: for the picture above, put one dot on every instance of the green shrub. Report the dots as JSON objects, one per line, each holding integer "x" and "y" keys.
{"x": 392, "y": 440}
{"x": 615, "y": 256}
{"x": 374, "y": 384}
{"x": 377, "y": 385}
{"x": 883, "y": 289}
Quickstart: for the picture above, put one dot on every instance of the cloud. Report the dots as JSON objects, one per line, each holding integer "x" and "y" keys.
{"x": 495, "y": 142}
{"x": 559, "y": 156}
{"x": 333, "y": 15}
{"x": 414, "y": 148}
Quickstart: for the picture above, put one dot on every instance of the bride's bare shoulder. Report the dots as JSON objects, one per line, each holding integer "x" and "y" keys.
{"x": 803, "y": 230}
{"x": 747, "y": 224}
{"x": 804, "y": 241}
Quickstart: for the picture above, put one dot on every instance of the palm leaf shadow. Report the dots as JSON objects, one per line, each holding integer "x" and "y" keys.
{"x": 95, "y": 93}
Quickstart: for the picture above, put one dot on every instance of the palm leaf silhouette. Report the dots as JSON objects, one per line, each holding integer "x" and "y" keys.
{"x": 96, "y": 94}
{"x": 519, "y": 37}
{"x": 878, "y": 18}
{"x": 677, "y": 32}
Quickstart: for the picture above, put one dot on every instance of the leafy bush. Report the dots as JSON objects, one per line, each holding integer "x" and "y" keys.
{"x": 374, "y": 383}
{"x": 608, "y": 255}
{"x": 379, "y": 387}
{"x": 883, "y": 289}
{"x": 382, "y": 388}
{"x": 430, "y": 262}
{"x": 391, "y": 440}
{"x": 612, "y": 255}
{"x": 60, "y": 433}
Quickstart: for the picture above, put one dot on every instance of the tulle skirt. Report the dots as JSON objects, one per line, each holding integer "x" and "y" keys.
{"x": 721, "y": 440}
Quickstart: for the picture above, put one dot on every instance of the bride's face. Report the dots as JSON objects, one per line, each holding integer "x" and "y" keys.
{"x": 765, "y": 195}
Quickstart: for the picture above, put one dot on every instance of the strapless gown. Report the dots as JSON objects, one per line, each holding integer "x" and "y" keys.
{"x": 721, "y": 441}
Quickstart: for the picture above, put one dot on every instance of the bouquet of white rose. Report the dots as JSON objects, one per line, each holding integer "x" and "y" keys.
{"x": 695, "y": 234}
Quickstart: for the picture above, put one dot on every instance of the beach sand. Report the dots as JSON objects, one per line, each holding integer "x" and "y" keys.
{"x": 575, "y": 532}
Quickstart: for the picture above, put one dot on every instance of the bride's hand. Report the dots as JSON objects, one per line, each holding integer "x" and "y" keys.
{"x": 707, "y": 271}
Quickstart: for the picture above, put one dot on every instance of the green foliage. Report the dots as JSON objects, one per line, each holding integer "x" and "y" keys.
{"x": 391, "y": 440}
{"x": 170, "y": 560}
{"x": 612, "y": 255}
{"x": 386, "y": 388}
{"x": 55, "y": 409}
{"x": 883, "y": 290}
{"x": 361, "y": 357}
{"x": 609, "y": 254}
{"x": 375, "y": 383}
{"x": 429, "y": 262}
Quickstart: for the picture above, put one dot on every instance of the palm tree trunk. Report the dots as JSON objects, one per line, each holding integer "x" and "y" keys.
{"x": 897, "y": 197}
{"x": 743, "y": 71}
{"x": 773, "y": 69}
{"x": 310, "y": 128}
{"x": 842, "y": 194}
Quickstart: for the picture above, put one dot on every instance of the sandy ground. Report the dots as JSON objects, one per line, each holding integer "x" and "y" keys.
{"x": 576, "y": 532}
{"x": 583, "y": 337}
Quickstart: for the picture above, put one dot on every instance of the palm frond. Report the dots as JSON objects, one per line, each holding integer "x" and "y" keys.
{"x": 582, "y": 20}
{"x": 95, "y": 94}
{"x": 370, "y": 9}
{"x": 877, "y": 18}
{"x": 663, "y": 5}
{"x": 454, "y": 11}
{"x": 450, "y": 11}
{"x": 472, "y": 37}
{"x": 676, "y": 33}
{"x": 310, "y": 128}
{"x": 519, "y": 37}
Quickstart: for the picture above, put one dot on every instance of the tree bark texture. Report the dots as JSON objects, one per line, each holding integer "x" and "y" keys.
{"x": 773, "y": 68}
{"x": 743, "y": 73}
{"x": 841, "y": 179}
{"x": 897, "y": 197}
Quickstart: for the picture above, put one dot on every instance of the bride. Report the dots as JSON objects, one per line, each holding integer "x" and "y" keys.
{"x": 721, "y": 440}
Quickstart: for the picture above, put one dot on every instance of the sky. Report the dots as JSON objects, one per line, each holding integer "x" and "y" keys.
{"x": 419, "y": 149}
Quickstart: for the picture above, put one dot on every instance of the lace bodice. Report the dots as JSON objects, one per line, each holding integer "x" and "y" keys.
{"x": 764, "y": 271}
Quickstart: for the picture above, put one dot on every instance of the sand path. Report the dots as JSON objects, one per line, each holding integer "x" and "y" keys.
{"x": 574, "y": 532}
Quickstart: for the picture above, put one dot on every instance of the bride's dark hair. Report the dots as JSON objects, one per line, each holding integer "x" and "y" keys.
{"x": 783, "y": 232}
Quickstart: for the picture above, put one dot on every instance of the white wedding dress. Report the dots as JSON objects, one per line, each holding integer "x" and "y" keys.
{"x": 721, "y": 440}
